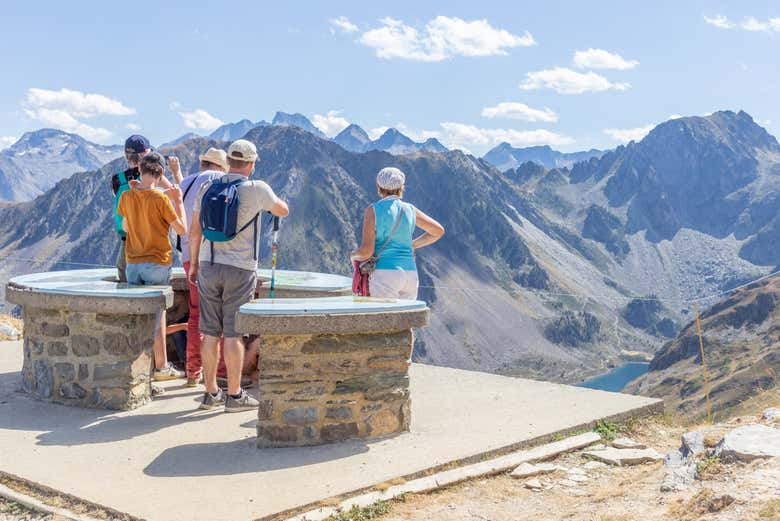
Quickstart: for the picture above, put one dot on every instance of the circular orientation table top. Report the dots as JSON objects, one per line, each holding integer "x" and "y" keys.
{"x": 86, "y": 283}
{"x": 328, "y": 306}
{"x": 94, "y": 290}
{"x": 330, "y": 315}
{"x": 102, "y": 282}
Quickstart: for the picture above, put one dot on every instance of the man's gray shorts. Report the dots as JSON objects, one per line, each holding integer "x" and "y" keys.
{"x": 222, "y": 289}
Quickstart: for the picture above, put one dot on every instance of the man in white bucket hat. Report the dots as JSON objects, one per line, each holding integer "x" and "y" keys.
{"x": 213, "y": 164}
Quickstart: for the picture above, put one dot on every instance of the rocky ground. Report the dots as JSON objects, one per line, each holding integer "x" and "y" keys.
{"x": 10, "y": 328}
{"x": 719, "y": 473}
{"x": 11, "y": 511}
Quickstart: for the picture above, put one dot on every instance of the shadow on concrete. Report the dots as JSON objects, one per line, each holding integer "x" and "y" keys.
{"x": 68, "y": 426}
{"x": 243, "y": 457}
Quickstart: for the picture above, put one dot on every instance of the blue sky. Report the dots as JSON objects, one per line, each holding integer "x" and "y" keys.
{"x": 470, "y": 73}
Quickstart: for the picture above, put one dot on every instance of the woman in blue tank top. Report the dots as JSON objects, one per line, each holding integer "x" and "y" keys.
{"x": 388, "y": 233}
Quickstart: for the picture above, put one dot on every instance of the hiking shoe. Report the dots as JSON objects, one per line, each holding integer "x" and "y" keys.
{"x": 242, "y": 403}
{"x": 246, "y": 382}
{"x": 212, "y": 402}
{"x": 193, "y": 382}
{"x": 167, "y": 373}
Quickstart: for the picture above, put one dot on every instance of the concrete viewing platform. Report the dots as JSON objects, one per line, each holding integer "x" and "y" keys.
{"x": 170, "y": 461}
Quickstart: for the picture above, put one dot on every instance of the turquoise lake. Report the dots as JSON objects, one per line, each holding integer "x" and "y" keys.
{"x": 618, "y": 378}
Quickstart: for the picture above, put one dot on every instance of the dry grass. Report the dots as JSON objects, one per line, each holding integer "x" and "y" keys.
{"x": 770, "y": 511}
{"x": 704, "y": 502}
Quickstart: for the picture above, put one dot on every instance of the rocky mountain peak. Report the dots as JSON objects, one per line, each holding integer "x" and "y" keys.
{"x": 297, "y": 120}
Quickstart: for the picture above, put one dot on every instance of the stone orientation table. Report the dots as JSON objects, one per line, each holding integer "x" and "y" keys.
{"x": 88, "y": 339}
{"x": 332, "y": 368}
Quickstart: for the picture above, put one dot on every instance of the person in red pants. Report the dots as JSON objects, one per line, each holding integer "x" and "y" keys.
{"x": 213, "y": 164}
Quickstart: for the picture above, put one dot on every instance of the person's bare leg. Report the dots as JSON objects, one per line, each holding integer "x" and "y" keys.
{"x": 160, "y": 355}
{"x": 234, "y": 361}
{"x": 209, "y": 354}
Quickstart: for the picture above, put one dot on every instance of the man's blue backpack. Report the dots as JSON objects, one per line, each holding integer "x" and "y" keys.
{"x": 219, "y": 214}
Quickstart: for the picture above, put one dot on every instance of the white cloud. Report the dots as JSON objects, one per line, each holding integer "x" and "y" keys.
{"x": 133, "y": 126}
{"x": 376, "y": 132}
{"x": 750, "y": 23}
{"x": 467, "y": 137}
{"x": 7, "y": 141}
{"x": 567, "y": 81}
{"x": 199, "y": 119}
{"x": 624, "y": 135}
{"x": 719, "y": 21}
{"x": 65, "y": 108}
{"x": 521, "y": 111}
{"x": 342, "y": 24}
{"x": 601, "y": 59}
{"x": 441, "y": 38}
{"x": 174, "y": 105}
{"x": 457, "y": 135}
{"x": 63, "y": 120}
{"x": 77, "y": 104}
{"x": 331, "y": 123}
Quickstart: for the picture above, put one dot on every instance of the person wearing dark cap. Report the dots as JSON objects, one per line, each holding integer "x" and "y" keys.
{"x": 147, "y": 217}
{"x": 136, "y": 147}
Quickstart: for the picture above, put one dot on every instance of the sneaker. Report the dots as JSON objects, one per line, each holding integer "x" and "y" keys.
{"x": 211, "y": 402}
{"x": 246, "y": 382}
{"x": 242, "y": 403}
{"x": 167, "y": 373}
{"x": 193, "y": 382}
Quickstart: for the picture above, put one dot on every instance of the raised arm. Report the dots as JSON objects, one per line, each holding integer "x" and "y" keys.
{"x": 175, "y": 168}
{"x": 366, "y": 249}
{"x": 196, "y": 237}
{"x": 179, "y": 224}
{"x": 433, "y": 230}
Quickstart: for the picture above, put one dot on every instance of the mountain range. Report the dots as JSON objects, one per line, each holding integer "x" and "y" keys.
{"x": 505, "y": 156}
{"x": 740, "y": 338}
{"x": 543, "y": 271}
{"x": 39, "y": 159}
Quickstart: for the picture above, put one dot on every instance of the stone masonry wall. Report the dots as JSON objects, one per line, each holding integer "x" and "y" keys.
{"x": 88, "y": 359}
{"x": 324, "y": 388}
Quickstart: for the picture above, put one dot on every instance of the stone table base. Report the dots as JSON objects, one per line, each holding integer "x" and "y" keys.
{"x": 332, "y": 368}
{"x": 323, "y": 388}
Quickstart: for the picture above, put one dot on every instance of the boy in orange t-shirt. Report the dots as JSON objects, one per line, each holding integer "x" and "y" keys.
{"x": 147, "y": 217}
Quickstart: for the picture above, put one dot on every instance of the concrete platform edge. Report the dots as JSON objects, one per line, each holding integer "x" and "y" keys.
{"x": 36, "y": 494}
{"x": 299, "y": 514}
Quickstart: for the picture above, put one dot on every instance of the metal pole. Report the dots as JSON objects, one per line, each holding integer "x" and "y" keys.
{"x": 273, "y": 256}
{"x": 703, "y": 362}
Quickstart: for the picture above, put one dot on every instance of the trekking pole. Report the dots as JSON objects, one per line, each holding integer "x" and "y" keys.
{"x": 273, "y": 255}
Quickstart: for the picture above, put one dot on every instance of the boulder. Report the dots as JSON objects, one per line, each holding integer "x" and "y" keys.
{"x": 771, "y": 414}
{"x": 628, "y": 443}
{"x": 594, "y": 465}
{"x": 624, "y": 457}
{"x": 533, "y": 484}
{"x": 693, "y": 441}
{"x": 527, "y": 470}
{"x": 748, "y": 443}
{"x": 680, "y": 472}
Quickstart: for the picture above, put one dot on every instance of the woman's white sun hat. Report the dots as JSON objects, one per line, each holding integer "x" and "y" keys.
{"x": 390, "y": 178}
